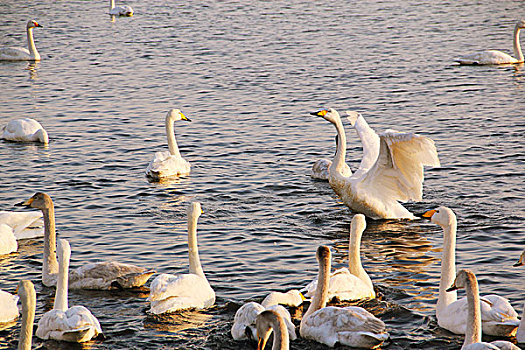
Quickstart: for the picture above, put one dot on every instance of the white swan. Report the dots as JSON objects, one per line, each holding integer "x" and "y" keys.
{"x": 27, "y": 293}
{"x": 74, "y": 324}
{"x": 8, "y": 242}
{"x": 495, "y": 56}
{"x": 268, "y": 321}
{"x": 170, "y": 293}
{"x": 520, "y": 334}
{"x": 25, "y": 130}
{"x": 19, "y": 53}
{"x": 497, "y": 315}
{"x": 169, "y": 163}
{"x": 245, "y": 317}
{"x": 123, "y": 10}
{"x": 352, "y": 283}
{"x": 8, "y": 307}
{"x": 467, "y": 280}
{"x": 24, "y": 224}
{"x": 320, "y": 168}
{"x": 351, "y": 325}
{"x": 102, "y": 275}
{"x": 396, "y": 174}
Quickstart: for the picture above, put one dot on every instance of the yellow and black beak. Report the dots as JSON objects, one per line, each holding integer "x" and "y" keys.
{"x": 429, "y": 214}
{"x": 26, "y": 203}
{"x": 452, "y": 287}
{"x": 183, "y": 117}
{"x": 302, "y": 297}
{"x": 321, "y": 113}
{"x": 38, "y": 25}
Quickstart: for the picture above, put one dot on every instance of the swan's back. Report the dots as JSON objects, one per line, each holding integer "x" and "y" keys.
{"x": 343, "y": 286}
{"x": 25, "y": 129}
{"x": 76, "y": 324}
{"x": 8, "y": 307}
{"x": 108, "y": 274}
{"x": 14, "y": 54}
{"x": 486, "y": 58}
{"x": 24, "y": 224}
{"x": 8, "y": 242}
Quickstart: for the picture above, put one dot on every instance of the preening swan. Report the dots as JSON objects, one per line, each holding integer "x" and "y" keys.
{"x": 8, "y": 242}
{"x": 495, "y": 56}
{"x": 268, "y": 321}
{"x": 24, "y": 224}
{"x": 351, "y": 325}
{"x": 101, "y": 275}
{"x": 25, "y": 130}
{"x": 8, "y": 307}
{"x": 74, "y": 324}
{"x": 352, "y": 283}
{"x": 170, "y": 293}
{"x": 123, "y": 10}
{"x": 245, "y": 317}
{"x": 497, "y": 315}
{"x": 520, "y": 334}
{"x": 26, "y": 291}
{"x": 395, "y": 175}
{"x": 19, "y": 53}
{"x": 467, "y": 280}
{"x": 320, "y": 168}
{"x": 169, "y": 163}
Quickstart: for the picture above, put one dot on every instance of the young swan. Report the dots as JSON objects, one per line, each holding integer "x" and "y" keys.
{"x": 26, "y": 291}
{"x": 169, "y": 163}
{"x": 520, "y": 334}
{"x": 266, "y": 322}
{"x": 19, "y": 53}
{"x": 467, "y": 280}
{"x": 497, "y": 315}
{"x": 25, "y": 130}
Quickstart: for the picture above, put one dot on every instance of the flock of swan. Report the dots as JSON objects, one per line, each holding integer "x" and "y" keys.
{"x": 391, "y": 172}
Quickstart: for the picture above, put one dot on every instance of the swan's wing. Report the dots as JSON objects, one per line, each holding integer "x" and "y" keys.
{"x": 24, "y": 224}
{"x": 398, "y": 171}
{"x": 8, "y": 242}
{"x": 486, "y": 57}
{"x": 8, "y": 307}
{"x": 108, "y": 274}
{"x": 245, "y": 317}
{"x": 342, "y": 286}
{"x": 498, "y": 310}
{"x": 504, "y": 345}
{"x": 369, "y": 140}
{"x": 166, "y": 165}
{"x": 75, "y": 324}
{"x": 14, "y": 53}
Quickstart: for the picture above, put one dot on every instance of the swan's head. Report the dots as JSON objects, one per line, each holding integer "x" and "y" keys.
{"x": 520, "y": 24}
{"x": 194, "y": 210}
{"x": 358, "y": 223}
{"x": 63, "y": 250}
{"x": 263, "y": 323}
{"x": 329, "y": 114}
{"x": 26, "y": 291}
{"x": 176, "y": 114}
{"x": 441, "y": 216}
{"x": 39, "y": 200}
{"x": 352, "y": 116}
{"x": 521, "y": 261}
{"x": 323, "y": 255}
{"x": 463, "y": 278}
{"x": 33, "y": 24}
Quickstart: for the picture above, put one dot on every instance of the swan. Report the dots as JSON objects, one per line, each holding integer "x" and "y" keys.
{"x": 100, "y": 275}
{"x": 351, "y": 325}
{"x": 169, "y": 163}
{"x": 352, "y": 283}
{"x": 19, "y": 53}
{"x": 123, "y": 10}
{"x": 520, "y": 334}
{"x": 26, "y": 291}
{"x": 73, "y": 324}
{"x": 467, "y": 280}
{"x": 8, "y": 242}
{"x": 395, "y": 175}
{"x": 25, "y": 130}
{"x": 8, "y": 307}
{"x": 320, "y": 168}
{"x": 170, "y": 293}
{"x": 497, "y": 315}
{"x": 495, "y": 56}
{"x": 245, "y": 317}
{"x": 24, "y": 224}
{"x": 268, "y": 321}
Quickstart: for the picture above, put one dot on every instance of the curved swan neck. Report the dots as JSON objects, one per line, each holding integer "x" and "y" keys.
{"x": 42, "y": 135}
{"x": 31, "y": 44}
{"x": 520, "y": 334}
{"x": 448, "y": 266}
{"x": 193, "y": 249}
{"x": 516, "y": 44}
{"x": 111, "y": 4}
{"x": 50, "y": 263}
{"x": 62, "y": 282}
{"x": 28, "y": 314}
{"x": 354, "y": 256}
{"x": 321, "y": 293}
{"x": 170, "y": 133}
{"x": 473, "y": 331}
{"x": 280, "y": 337}
{"x": 339, "y": 159}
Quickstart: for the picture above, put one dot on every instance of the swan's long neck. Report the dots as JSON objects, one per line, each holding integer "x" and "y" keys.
{"x": 448, "y": 267}
{"x": 280, "y": 338}
{"x": 193, "y": 250}
{"x": 339, "y": 160}
{"x": 62, "y": 282}
{"x": 172, "y": 143}
{"x": 28, "y": 315}
{"x": 473, "y": 331}
{"x": 354, "y": 256}
{"x": 520, "y": 334}
{"x": 31, "y": 44}
{"x": 321, "y": 293}
{"x": 111, "y": 4}
{"x": 50, "y": 265}
{"x": 516, "y": 44}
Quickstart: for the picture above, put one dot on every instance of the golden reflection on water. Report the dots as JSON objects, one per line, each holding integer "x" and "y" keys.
{"x": 177, "y": 322}
{"x": 32, "y": 67}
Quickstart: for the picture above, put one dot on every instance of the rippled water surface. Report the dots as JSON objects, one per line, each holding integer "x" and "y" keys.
{"x": 247, "y": 74}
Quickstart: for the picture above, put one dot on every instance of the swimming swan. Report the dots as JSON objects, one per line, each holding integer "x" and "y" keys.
{"x": 25, "y": 130}
{"x": 395, "y": 175}
{"x": 351, "y": 325}
{"x": 497, "y": 315}
{"x": 467, "y": 280}
{"x": 352, "y": 283}
{"x": 170, "y": 293}
{"x": 8, "y": 242}
{"x": 244, "y": 322}
{"x": 73, "y": 324}
{"x": 24, "y": 224}
{"x": 26, "y": 291}
{"x": 101, "y": 275}
{"x": 495, "y": 56}
{"x": 169, "y": 163}
{"x": 8, "y": 307}
{"x": 520, "y": 334}
{"x": 123, "y": 10}
{"x": 19, "y": 53}
{"x": 268, "y": 321}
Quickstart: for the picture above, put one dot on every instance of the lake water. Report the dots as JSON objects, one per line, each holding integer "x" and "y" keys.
{"x": 247, "y": 74}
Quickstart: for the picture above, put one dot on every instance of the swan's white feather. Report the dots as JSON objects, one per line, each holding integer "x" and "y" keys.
{"x": 25, "y": 130}
{"x": 343, "y": 286}
{"x": 14, "y": 54}
{"x": 369, "y": 140}
{"x": 320, "y": 169}
{"x": 165, "y": 165}
{"x": 123, "y": 10}
{"x": 8, "y": 307}
{"x": 76, "y": 324}
{"x": 487, "y": 57}
{"x": 291, "y": 298}
{"x": 24, "y": 224}
{"x": 104, "y": 275}
{"x": 8, "y": 242}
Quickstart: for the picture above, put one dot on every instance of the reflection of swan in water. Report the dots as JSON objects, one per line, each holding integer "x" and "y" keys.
{"x": 25, "y": 130}
{"x": 520, "y": 334}
{"x": 268, "y": 321}
{"x": 123, "y": 10}
{"x": 20, "y": 53}
{"x": 170, "y": 323}
{"x": 24, "y": 224}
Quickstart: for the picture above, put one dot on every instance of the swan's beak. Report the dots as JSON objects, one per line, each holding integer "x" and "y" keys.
{"x": 519, "y": 263}
{"x": 183, "y": 117}
{"x": 39, "y": 25}
{"x": 452, "y": 287}
{"x": 429, "y": 214}
{"x": 302, "y": 297}
{"x": 26, "y": 203}
{"x": 320, "y": 113}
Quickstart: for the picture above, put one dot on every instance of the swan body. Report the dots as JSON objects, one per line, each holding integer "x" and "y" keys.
{"x": 520, "y": 333}
{"x": 170, "y": 293}
{"x": 24, "y": 224}
{"x": 100, "y": 275}
{"x": 352, "y": 283}
{"x": 8, "y": 242}
{"x": 20, "y": 53}
{"x": 268, "y": 321}
{"x": 396, "y": 173}
{"x": 73, "y": 324}
{"x": 8, "y": 307}
{"x": 123, "y": 10}
{"x": 25, "y": 130}
{"x": 169, "y": 163}
{"x": 320, "y": 168}
{"x": 498, "y": 318}
{"x": 351, "y": 326}
{"x": 467, "y": 280}
{"x": 497, "y": 57}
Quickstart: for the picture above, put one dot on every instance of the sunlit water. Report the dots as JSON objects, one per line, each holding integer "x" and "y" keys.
{"x": 247, "y": 74}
